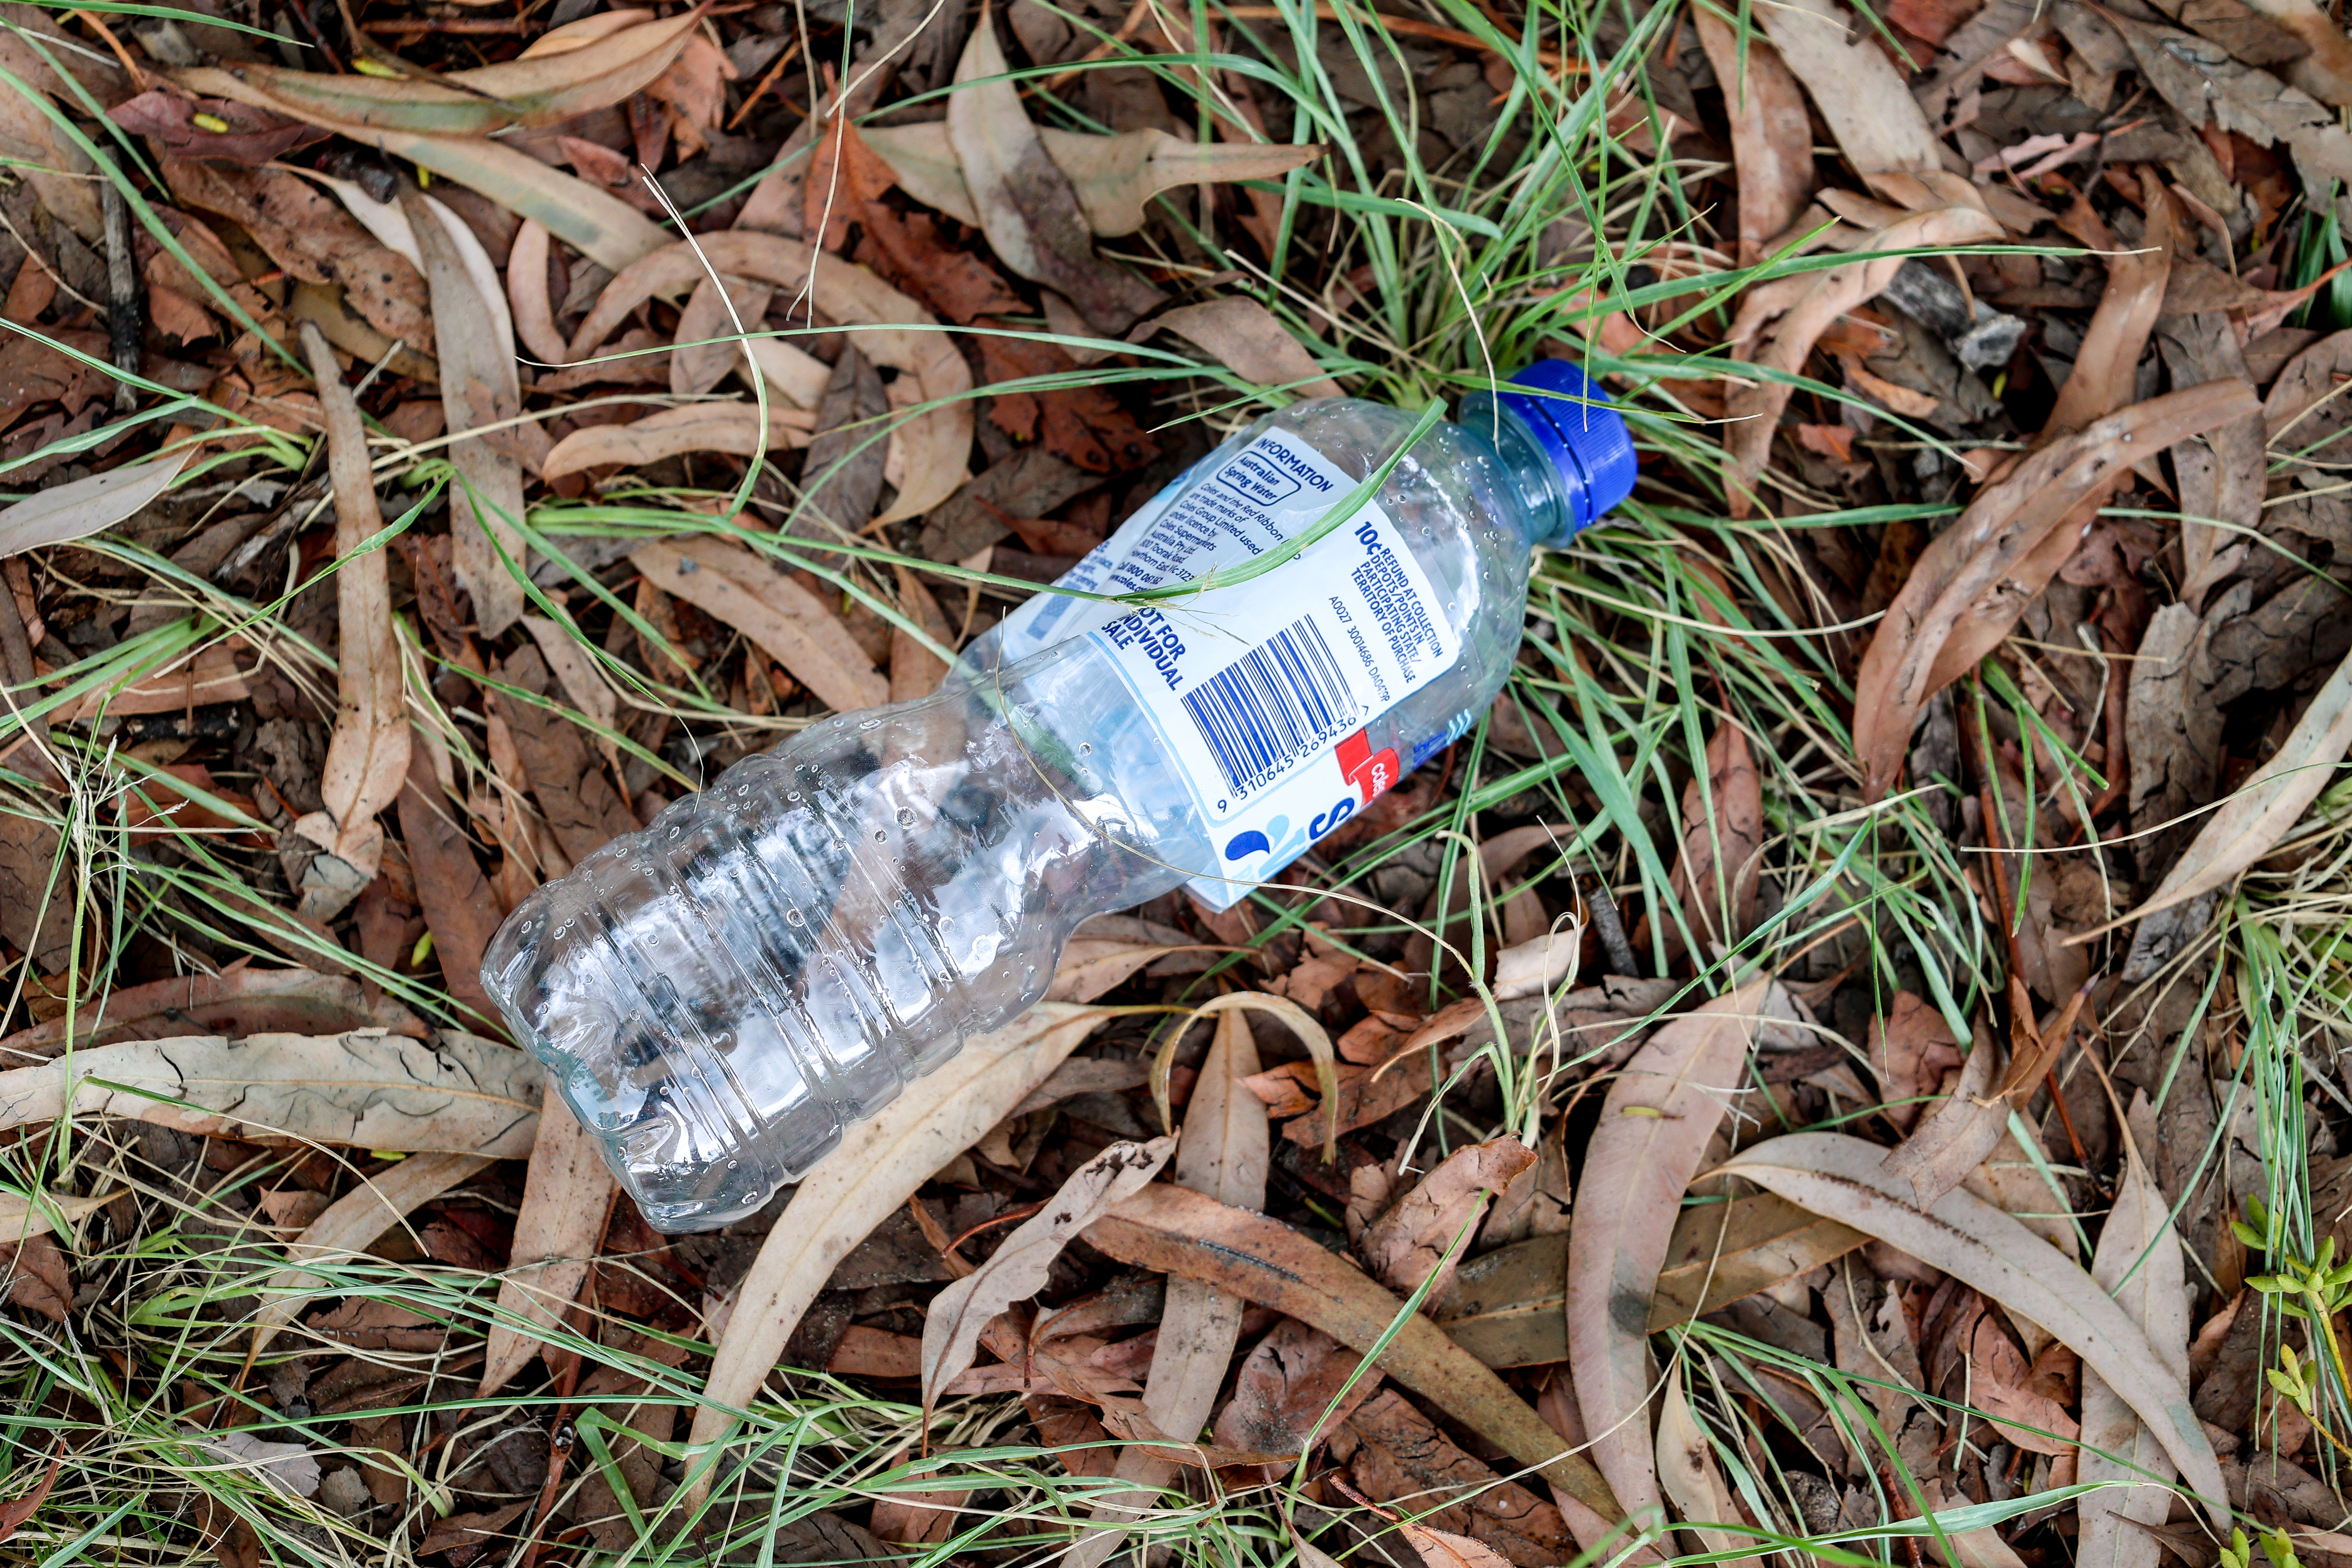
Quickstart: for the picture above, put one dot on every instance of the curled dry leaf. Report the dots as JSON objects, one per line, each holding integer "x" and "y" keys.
{"x": 890, "y": 329}
{"x": 1026, "y": 206}
{"x": 567, "y": 1196}
{"x": 783, "y": 618}
{"x": 2140, "y": 1264}
{"x": 1416, "y": 1237}
{"x": 363, "y": 1088}
{"x": 1224, "y": 1152}
{"x": 879, "y": 1165}
{"x": 1844, "y": 1179}
{"x": 1653, "y": 1131}
{"x": 351, "y": 1224}
{"x": 537, "y": 91}
{"x": 367, "y": 751}
{"x": 1966, "y": 591}
{"x": 1017, "y": 1269}
{"x": 1312, "y": 1035}
{"x": 1784, "y": 345}
{"x": 732, "y": 427}
{"x": 1174, "y": 1231}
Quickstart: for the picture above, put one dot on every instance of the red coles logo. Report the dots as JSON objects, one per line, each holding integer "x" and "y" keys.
{"x": 1374, "y": 773}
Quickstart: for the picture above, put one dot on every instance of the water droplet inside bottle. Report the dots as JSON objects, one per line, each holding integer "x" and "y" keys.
{"x": 1086, "y": 748}
{"x": 905, "y": 817}
{"x": 879, "y": 834}
{"x": 792, "y": 794}
{"x": 792, "y": 917}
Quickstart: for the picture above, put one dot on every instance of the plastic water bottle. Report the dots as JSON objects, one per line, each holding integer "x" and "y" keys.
{"x": 719, "y": 995}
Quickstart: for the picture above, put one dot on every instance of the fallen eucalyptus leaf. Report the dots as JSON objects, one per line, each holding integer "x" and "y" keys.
{"x": 879, "y": 1165}
{"x": 1844, "y": 1179}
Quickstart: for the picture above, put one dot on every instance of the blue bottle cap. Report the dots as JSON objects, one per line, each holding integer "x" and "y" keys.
{"x": 1584, "y": 436}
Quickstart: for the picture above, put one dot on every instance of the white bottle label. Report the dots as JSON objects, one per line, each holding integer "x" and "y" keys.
{"x": 1260, "y": 691}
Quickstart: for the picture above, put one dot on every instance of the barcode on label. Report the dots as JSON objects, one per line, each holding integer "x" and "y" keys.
{"x": 1274, "y": 704}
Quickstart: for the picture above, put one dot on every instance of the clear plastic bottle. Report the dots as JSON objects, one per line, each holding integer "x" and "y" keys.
{"x": 719, "y": 995}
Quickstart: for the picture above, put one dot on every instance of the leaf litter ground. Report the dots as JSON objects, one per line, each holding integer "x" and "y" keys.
{"x": 1842, "y": 1061}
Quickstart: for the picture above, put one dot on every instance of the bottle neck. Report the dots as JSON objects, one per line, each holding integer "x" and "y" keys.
{"x": 1544, "y": 511}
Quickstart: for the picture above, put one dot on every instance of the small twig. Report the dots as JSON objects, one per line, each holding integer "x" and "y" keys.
{"x": 1610, "y": 926}
{"x": 124, "y": 309}
{"x": 791, "y": 50}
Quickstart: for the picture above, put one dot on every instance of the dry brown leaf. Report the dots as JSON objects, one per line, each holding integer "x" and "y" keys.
{"x": 2274, "y": 798}
{"x": 1244, "y": 336}
{"x": 305, "y": 231}
{"x": 2139, "y": 1263}
{"x": 915, "y": 670}
{"x": 732, "y": 427}
{"x": 1870, "y": 111}
{"x": 459, "y": 911}
{"x": 2105, "y": 377}
{"x": 1977, "y": 1244}
{"x": 579, "y": 676}
{"x": 1223, "y": 1151}
{"x": 363, "y": 1088}
{"x": 1956, "y": 1137}
{"x": 1508, "y": 1307}
{"x": 893, "y": 330}
{"x": 83, "y": 507}
{"x": 1968, "y": 587}
{"x": 783, "y": 618}
{"x": 60, "y": 171}
{"x": 1294, "y": 1388}
{"x": 1312, "y": 1035}
{"x": 1026, "y": 206}
{"x": 1910, "y": 1049}
{"x": 1419, "y": 1233}
{"x": 1174, "y": 1231}
{"x": 1784, "y": 345}
{"x": 1399, "y": 1454}
{"x": 584, "y": 810}
{"x": 231, "y": 1002}
{"x": 1692, "y": 1480}
{"x": 1654, "y": 1132}
{"x": 367, "y": 752}
{"x": 1113, "y": 177}
{"x": 1017, "y": 1269}
{"x": 876, "y": 1168}
{"x": 540, "y": 90}
{"x": 351, "y": 1224}
{"x": 16, "y": 1510}
{"x": 567, "y": 1196}
{"x": 1720, "y": 872}
{"x": 528, "y": 304}
{"x": 478, "y": 388}
{"x": 1771, "y": 134}
{"x": 2199, "y": 79}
